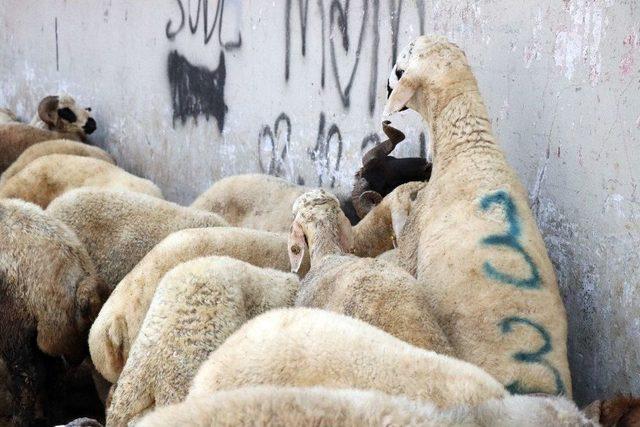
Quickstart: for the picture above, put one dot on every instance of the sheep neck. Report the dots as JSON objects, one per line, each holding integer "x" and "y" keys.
{"x": 373, "y": 235}
{"x": 462, "y": 130}
{"x": 322, "y": 242}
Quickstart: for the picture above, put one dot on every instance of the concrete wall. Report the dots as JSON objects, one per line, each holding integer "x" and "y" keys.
{"x": 188, "y": 91}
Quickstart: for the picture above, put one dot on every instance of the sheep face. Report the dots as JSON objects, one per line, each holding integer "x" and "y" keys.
{"x": 424, "y": 75}
{"x": 313, "y": 212}
{"x": 61, "y": 113}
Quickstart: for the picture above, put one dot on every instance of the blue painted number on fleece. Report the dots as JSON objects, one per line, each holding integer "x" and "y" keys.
{"x": 510, "y": 239}
{"x": 534, "y": 357}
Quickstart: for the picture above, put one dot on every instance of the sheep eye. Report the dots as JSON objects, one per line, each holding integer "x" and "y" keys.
{"x": 399, "y": 73}
{"x": 88, "y": 108}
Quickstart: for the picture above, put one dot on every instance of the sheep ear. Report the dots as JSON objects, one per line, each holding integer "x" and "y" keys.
{"x": 48, "y": 110}
{"x": 114, "y": 340}
{"x": 400, "y": 95}
{"x": 346, "y": 234}
{"x": 296, "y": 246}
{"x": 369, "y": 200}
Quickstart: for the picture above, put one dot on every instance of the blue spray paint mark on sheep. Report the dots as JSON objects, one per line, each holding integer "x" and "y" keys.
{"x": 536, "y": 357}
{"x": 511, "y": 240}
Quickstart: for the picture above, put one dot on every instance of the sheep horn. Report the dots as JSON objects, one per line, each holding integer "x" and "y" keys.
{"x": 386, "y": 147}
{"x": 45, "y": 109}
{"x": 368, "y": 200}
{"x": 359, "y": 187}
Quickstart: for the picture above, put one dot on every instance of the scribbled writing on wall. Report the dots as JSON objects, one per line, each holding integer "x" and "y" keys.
{"x": 271, "y": 141}
{"x": 202, "y": 15}
{"x": 510, "y": 239}
{"x": 274, "y": 145}
{"x": 534, "y": 357}
{"x": 336, "y": 23}
{"x": 196, "y": 90}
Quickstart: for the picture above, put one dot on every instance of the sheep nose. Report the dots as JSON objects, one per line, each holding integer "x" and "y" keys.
{"x": 90, "y": 126}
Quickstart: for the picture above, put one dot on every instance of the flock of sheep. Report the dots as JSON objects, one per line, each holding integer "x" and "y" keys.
{"x": 264, "y": 304}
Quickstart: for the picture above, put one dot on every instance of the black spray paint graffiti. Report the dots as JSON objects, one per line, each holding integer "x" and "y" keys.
{"x": 321, "y": 153}
{"x": 338, "y": 26}
{"x": 203, "y": 9}
{"x": 270, "y": 141}
{"x": 196, "y": 90}
{"x": 337, "y": 12}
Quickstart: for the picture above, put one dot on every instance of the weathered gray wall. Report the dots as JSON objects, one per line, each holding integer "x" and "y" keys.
{"x": 560, "y": 79}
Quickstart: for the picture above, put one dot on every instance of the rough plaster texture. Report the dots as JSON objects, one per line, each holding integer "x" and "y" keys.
{"x": 560, "y": 79}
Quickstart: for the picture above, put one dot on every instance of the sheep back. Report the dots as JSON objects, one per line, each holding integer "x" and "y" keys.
{"x": 119, "y": 228}
{"x": 310, "y": 347}
{"x": 119, "y": 321}
{"x": 197, "y": 305}
{"x": 58, "y": 146}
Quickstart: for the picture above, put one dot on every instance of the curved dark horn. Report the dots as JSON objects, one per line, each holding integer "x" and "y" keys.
{"x": 360, "y": 185}
{"x": 385, "y": 147}
{"x": 46, "y": 108}
{"x": 369, "y": 200}
{"x": 392, "y": 133}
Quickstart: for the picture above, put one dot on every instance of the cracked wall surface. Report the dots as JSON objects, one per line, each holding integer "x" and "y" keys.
{"x": 186, "y": 92}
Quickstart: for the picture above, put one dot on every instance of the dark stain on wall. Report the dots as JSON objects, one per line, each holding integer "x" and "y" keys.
{"x": 196, "y": 90}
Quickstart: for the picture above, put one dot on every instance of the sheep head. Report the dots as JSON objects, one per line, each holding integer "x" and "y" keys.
{"x": 319, "y": 226}
{"x": 429, "y": 72}
{"x": 61, "y": 113}
{"x": 381, "y": 174}
{"x": 362, "y": 196}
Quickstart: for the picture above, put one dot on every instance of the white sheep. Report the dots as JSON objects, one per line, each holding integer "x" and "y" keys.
{"x": 256, "y": 201}
{"x": 51, "y": 122}
{"x": 58, "y": 146}
{"x": 471, "y": 237}
{"x": 315, "y": 406}
{"x": 62, "y": 114}
{"x": 119, "y": 228}
{"x": 197, "y": 305}
{"x": 264, "y": 202}
{"x": 47, "y": 177}
{"x": 119, "y": 321}
{"x": 308, "y": 347}
{"x": 375, "y": 291}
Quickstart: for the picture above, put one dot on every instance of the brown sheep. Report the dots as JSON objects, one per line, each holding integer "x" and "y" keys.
{"x": 48, "y": 177}
{"x": 119, "y": 228}
{"x": 57, "y": 146}
{"x": 50, "y": 294}
{"x": 620, "y": 411}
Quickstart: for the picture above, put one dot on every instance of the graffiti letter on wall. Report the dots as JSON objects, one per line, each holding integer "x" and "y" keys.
{"x": 321, "y": 152}
{"x": 337, "y": 12}
{"x": 196, "y": 90}
{"x": 203, "y": 8}
{"x": 268, "y": 141}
